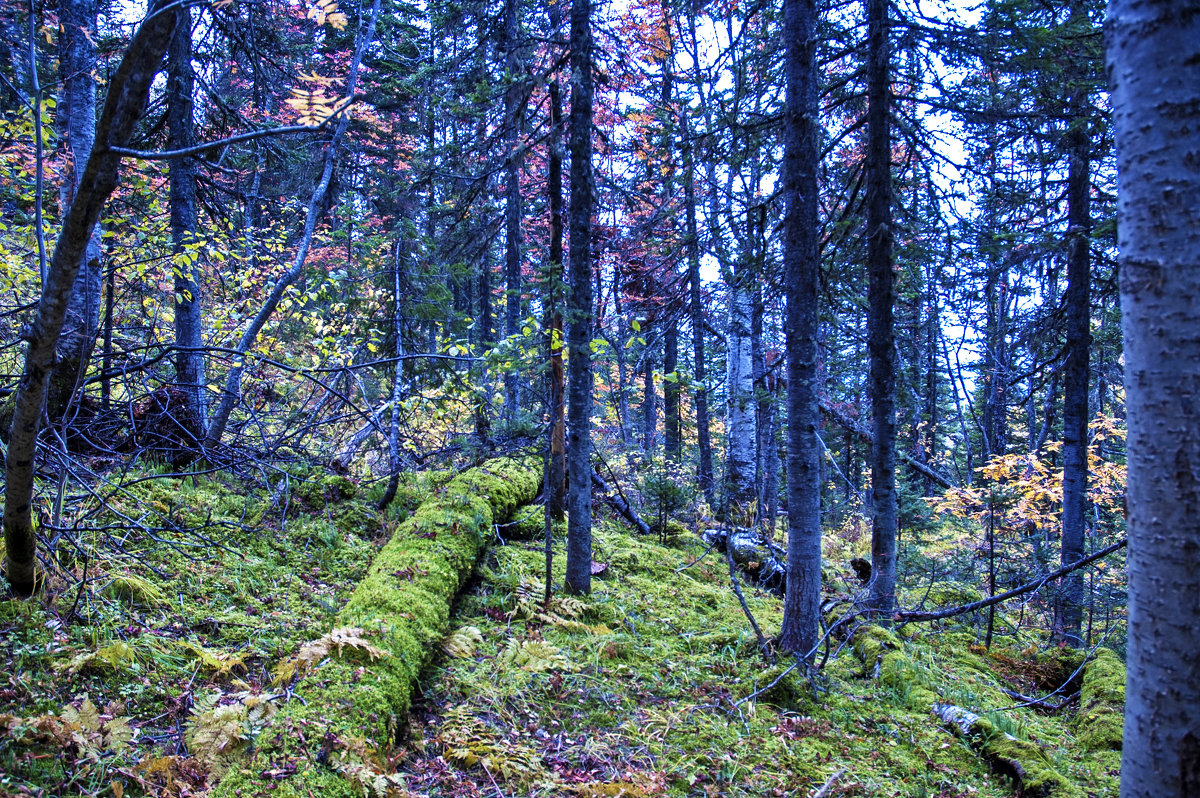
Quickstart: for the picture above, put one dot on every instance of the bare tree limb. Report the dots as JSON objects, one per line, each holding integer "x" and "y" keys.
{"x": 847, "y": 423}
{"x": 908, "y": 616}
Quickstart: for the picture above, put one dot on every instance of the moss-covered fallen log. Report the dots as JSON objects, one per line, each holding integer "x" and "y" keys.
{"x": 882, "y": 653}
{"x": 353, "y": 686}
{"x": 1022, "y": 761}
{"x": 1102, "y": 703}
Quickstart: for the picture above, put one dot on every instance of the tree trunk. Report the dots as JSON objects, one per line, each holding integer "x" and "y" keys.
{"x": 487, "y": 340}
{"x": 649, "y": 404}
{"x": 1069, "y": 603}
{"x": 801, "y": 606}
{"x": 126, "y": 101}
{"x": 704, "y": 471}
{"x": 672, "y": 437}
{"x": 882, "y": 300}
{"x": 399, "y": 265}
{"x": 739, "y": 385}
{"x": 579, "y": 327}
{"x": 189, "y": 361}
{"x": 77, "y": 115}
{"x": 513, "y": 113}
{"x": 1154, "y": 70}
{"x": 556, "y": 488}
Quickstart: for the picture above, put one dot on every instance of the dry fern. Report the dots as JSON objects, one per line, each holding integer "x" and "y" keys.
{"x": 110, "y": 658}
{"x": 219, "y": 662}
{"x": 313, "y": 652}
{"x": 462, "y": 642}
{"x": 468, "y": 742}
{"x": 218, "y": 731}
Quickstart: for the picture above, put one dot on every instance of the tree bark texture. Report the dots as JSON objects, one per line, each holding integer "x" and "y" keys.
{"x": 649, "y": 402}
{"x": 672, "y": 437}
{"x": 556, "y": 487}
{"x": 741, "y": 405}
{"x": 124, "y": 105}
{"x": 579, "y": 323}
{"x": 1154, "y": 73}
{"x": 801, "y": 606}
{"x": 881, "y": 340}
{"x": 189, "y": 360}
{"x": 77, "y": 120}
{"x": 514, "y": 113}
{"x": 1069, "y": 605}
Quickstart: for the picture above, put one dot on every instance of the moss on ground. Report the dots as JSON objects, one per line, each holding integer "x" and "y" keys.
{"x": 1102, "y": 702}
{"x": 1025, "y": 762}
{"x": 175, "y": 625}
{"x": 641, "y": 688}
{"x": 353, "y": 707}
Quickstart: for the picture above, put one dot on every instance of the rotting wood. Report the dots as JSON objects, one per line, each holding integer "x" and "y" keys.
{"x": 402, "y": 609}
{"x": 765, "y": 562}
{"x": 1026, "y": 763}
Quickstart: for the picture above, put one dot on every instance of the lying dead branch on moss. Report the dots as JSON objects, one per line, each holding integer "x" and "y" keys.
{"x": 1026, "y": 763}
{"x": 618, "y": 503}
{"x": 909, "y": 616}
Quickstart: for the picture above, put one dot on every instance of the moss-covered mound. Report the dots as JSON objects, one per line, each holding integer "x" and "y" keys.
{"x": 1022, "y": 761}
{"x": 353, "y": 686}
{"x": 882, "y": 653}
{"x": 1102, "y": 707}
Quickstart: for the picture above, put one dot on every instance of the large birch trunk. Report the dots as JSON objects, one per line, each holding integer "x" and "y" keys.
{"x": 1154, "y": 71}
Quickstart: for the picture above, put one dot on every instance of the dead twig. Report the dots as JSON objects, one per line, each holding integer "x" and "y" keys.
{"x": 828, "y": 785}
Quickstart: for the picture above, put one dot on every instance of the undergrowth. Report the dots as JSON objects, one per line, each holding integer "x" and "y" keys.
{"x": 130, "y": 680}
{"x": 646, "y": 687}
{"x": 642, "y": 689}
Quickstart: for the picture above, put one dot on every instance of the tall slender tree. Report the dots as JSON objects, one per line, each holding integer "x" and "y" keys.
{"x": 77, "y": 124}
{"x": 556, "y": 488}
{"x": 579, "y": 321}
{"x": 514, "y": 114}
{"x": 189, "y": 360}
{"x": 801, "y": 607}
{"x": 882, "y": 300}
{"x": 1068, "y": 624}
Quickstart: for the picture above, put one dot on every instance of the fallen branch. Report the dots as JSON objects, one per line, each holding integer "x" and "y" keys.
{"x": 619, "y": 504}
{"x": 737, "y": 591}
{"x": 828, "y": 785}
{"x": 847, "y": 423}
{"x": 913, "y": 616}
{"x": 1022, "y": 761}
{"x": 908, "y": 616}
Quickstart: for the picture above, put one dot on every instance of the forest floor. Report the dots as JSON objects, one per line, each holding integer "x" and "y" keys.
{"x": 157, "y": 674}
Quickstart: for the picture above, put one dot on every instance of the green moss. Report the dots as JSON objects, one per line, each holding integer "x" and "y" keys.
{"x": 949, "y": 594}
{"x": 1026, "y": 763}
{"x": 403, "y": 608}
{"x": 871, "y": 641}
{"x": 788, "y": 692}
{"x": 1101, "y": 717}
